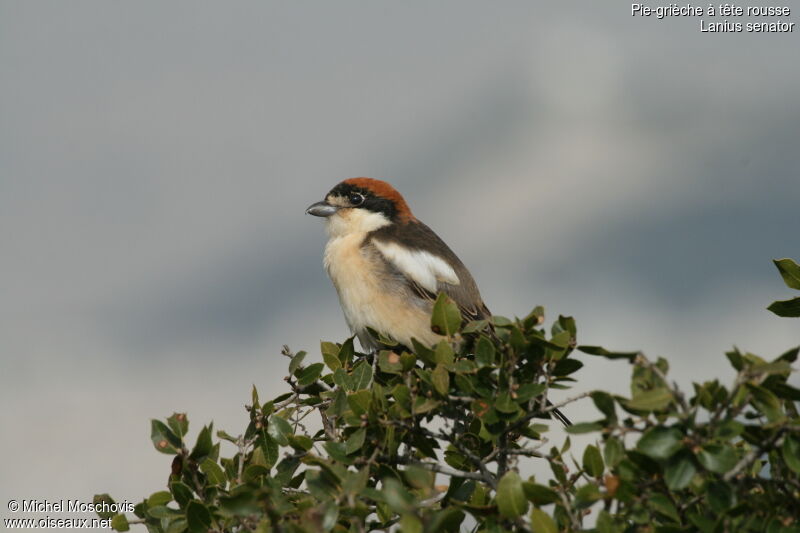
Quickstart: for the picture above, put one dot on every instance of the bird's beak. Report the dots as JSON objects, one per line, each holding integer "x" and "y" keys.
{"x": 321, "y": 209}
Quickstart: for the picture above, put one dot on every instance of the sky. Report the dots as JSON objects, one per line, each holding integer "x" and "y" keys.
{"x": 156, "y": 160}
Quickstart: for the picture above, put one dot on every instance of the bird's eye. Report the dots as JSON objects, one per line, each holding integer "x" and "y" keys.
{"x": 356, "y": 198}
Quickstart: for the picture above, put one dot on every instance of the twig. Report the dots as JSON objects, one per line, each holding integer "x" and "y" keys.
{"x": 754, "y": 454}
{"x": 565, "y": 402}
{"x": 435, "y": 467}
{"x": 242, "y": 445}
{"x": 486, "y": 476}
{"x": 533, "y": 414}
{"x": 676, "y": 392}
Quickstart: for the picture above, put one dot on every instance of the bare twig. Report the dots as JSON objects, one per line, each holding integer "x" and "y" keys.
{"x": 435, "y": 467}
{"x": 676, "y": 392}
{"x": 754, "y": 454}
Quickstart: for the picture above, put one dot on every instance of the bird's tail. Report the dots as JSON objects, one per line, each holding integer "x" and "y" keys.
{"x": 559, "y": 415}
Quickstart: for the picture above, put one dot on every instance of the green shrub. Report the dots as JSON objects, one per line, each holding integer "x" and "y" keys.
{"x": 432, "y": 441}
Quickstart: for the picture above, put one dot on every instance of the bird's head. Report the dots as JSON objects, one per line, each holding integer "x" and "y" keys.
{"x": 361, "y": 205}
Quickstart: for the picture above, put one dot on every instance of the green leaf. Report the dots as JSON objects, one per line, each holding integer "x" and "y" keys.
{"x": 418, "y": 477}
{"x": 717, "y": 458}
{"x": 423, "y": 405}
{"x": 424, "y": 352}
{"x": 360, "y": 402}
{"x": 448, "y": 519}
{"x": 790, "y": 272}
{"x": 586, "y": 495}
{"x": 501, "y": 321}
{"x": 484, "y": 352}
{"x": 598, "y": 350}
{"x": 613, "y": 451}
{"x": 444, "y": 353}
{"x": 605, "y": 524}
{"x": 583, "y": 427}
{"x": 98, "y": 500}
{"x": 204, "y": 445}
{"x": 529, "y": 390}
{"x": 161, "y": 497}
{"x": 536, "y": 318}
{"x": 177, "y": 526}
{"x": 775, "y": 367}
{"x": 660, "y": 442}
{"x": 593, "y": 461}
{"x": 505, "y": 404}
{"x": 735, "y": 358}
{"x": 389, "y": 362}
{"x": 541, "y": 522}
{"x": 296, "y": 361}
{"x": 120, "y": 523}
{"x": 309, "y": 375}
{"x": 361, "y": 376}
{"x": 239, "y": 503}
{"x": 330, "y": 354}
{"x": 652, "y": 400}
{"x": 410, "y": 523}
{"x": 511, "y": 501}
{"x": 338, "y": 402}
{"x": 397, "y": 496}
{"x": 181, "y": 493}
{"x": 565, "y": 323}
{"x": 271, "y": 450}
{"x": 679, "y": 471}
{"x": 446, "y": 317}
{"x": 721, "y": 496}
{"x": 662, "y": 504}
{"x": 213, "y": 472}
{"x": 786, "y": 308}
{"x": 729, "y": 429}
{"x": 179, "y": 424}
{"x": 539, "y": 494}
{"x": 163, "y": 438}
{"x": 791, "y": 452}
{"x": 766, "y": 402}
{"x": 279, "y": 429}
{"x": 475, "y": 326}
{"x": 408, "y": 361}
{"x": 605, "y": 404}
{"x": 441, "y": 379}
{"x": 355, "y": 441}
{"x": 298, "y": 442}
{"x": 337, "y": 451}
{"x": 566, "y": 367}
{"x": 198, "y": 517}
{"x": 346, "y": 352}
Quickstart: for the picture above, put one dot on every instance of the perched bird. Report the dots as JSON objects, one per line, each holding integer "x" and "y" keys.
{"x": 387, "y": 266}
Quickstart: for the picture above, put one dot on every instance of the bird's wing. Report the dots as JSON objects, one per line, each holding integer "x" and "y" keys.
{"x": 431, "y": 270}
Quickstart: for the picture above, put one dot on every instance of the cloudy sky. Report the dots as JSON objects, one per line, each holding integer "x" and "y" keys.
{"x": 156, "y": 159}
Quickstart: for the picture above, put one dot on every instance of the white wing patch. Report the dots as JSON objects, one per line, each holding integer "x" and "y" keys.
{"x": 420, "y": 266}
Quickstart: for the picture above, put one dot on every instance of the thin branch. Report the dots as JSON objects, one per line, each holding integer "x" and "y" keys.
{"x": 566, "y": 402}
{"x": 754, "y": 454}
{"x": 435, "y": 467}
{"x": 533, "y": 414}
{"x": 676, "y": 392}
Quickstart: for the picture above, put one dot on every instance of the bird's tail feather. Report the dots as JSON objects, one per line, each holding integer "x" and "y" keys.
{"x": 559, "y": 415}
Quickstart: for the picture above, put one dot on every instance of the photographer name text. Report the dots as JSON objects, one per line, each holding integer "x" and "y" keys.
{"x": 70, "y": 506}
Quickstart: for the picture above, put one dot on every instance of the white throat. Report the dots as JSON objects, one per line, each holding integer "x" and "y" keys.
{"x": 351, "y": 221}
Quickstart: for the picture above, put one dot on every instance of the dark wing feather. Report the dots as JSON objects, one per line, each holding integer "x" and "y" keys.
{"x": 417, "y": 236}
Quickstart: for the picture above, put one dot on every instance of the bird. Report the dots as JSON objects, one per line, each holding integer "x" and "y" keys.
{"x": 388, "y": 266}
